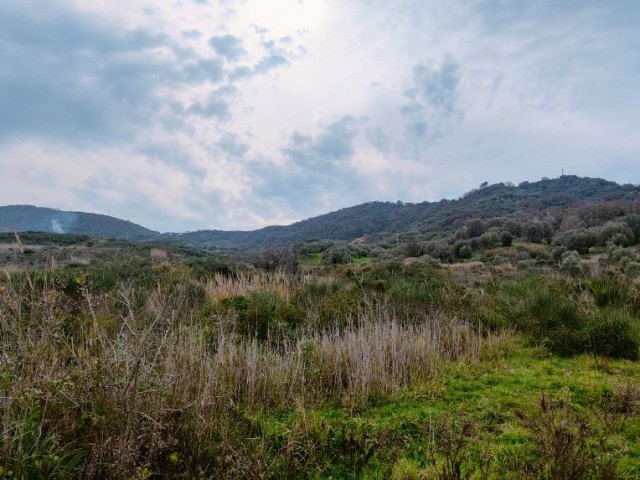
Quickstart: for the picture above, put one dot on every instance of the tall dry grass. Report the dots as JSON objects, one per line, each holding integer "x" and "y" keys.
{"x": 120, "y": 387}
{"x": 284, "y": 286}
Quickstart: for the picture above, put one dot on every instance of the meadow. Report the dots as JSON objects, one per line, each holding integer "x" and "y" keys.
{"x": 152, "y": 363}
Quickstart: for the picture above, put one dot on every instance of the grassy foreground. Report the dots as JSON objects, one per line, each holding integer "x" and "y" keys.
{"x": 153, "y": 369}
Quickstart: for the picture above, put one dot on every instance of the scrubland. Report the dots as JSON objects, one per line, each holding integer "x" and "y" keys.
{"x": 146, "y": 365}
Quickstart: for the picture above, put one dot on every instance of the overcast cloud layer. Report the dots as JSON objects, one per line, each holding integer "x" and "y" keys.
{"x": 235, "y": 114}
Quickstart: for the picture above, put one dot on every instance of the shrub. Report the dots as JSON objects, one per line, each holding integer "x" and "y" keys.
{"x": 537, "y": 232}
{"x": 557, "y": 252}
{"x": 310, "y": 248}
{"x": 209, "y": 266}
{"x": 440, "y": 249}
{"x": 450, "y": 453}
{"x": 632, "y": 269}
{"x": 465, "y": 251}
{"x": 613, "y": 334}
{"x": 277, "y": 260}
{"x": 506, "y": 239}
{"x": 608, "y": 291}
{"x": 618, "y": 233}
{"x": 344, "y": 253}
{"x": 413, "y": 248}
{"x": 617, "y": 254}
{"x": 513, "y": 227}
{"x": 565, "y": 341}
{"x": 261, "y": 314}
{"x": 414, "y": 296}
{"x": 566, "y": 445}
{"x": 579, "y": 241}
{"x": 475, "y": 227}
{"x": 633, "y": 221}
{"x": 572, "y": 264}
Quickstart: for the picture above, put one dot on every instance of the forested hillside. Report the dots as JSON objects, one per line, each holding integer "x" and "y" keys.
{"x": 27, "y": 218}
{"x": 546, "y": 200}
{"x": 562, "y": 204}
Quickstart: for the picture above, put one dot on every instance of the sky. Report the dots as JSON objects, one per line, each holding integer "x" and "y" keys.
{"x": 236, "y": 114}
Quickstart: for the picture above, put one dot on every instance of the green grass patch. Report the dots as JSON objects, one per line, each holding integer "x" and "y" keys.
{"x": 492, "y": 396}
{"x": 361, "y": 260}
{"x": 313, "y": 259}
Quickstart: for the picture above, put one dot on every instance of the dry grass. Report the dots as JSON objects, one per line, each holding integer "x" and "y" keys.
{"x": 158, "y": 254}
{"x": 221, "y": 286}
{"x": 124, "y": 386}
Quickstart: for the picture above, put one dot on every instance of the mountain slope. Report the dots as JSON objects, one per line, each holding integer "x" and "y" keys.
{"x": 527, "y": 200}
{"x": 24, "y": 218}
{"x": 530, "y": 200}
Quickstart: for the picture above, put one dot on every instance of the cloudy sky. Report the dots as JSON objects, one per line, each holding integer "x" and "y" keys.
{"x": 236, "y": 114}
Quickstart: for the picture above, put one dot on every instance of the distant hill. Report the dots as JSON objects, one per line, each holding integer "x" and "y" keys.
{"x": 533, "y": 200}
{"x": 27, "y": 218}
{"x": 529, "y": 200}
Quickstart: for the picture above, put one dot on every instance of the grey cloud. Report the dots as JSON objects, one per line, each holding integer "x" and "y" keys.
{"x": 432, "y": 107}
{"x": 70, "y": 76}
{"x": 230, "y": 143}
{"x": 316, "y": 167}
{"x": 228, "y": 46}
{"x": 212, "y": 109}
{"x": 435, "y": 88}
{"x": 54, "y": 80}
{"x": 217, "y": 105}
{"x": 334, "y": 145}
{"x": 270, "y": 62}
{"x": 241, "y": 72}
{"x": 265, "y": 65}
{"x": 275, "y": 57}
{"x": 52, "y": 29}
{"x": 171, "y": 153}
{"x": 203, "y": 70}
{"x": 379, "y": 139}
{"x": 193, "y": 33}
{"x": 336, "y": 142}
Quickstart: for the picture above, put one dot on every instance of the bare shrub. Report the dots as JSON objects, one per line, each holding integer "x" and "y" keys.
{"x": 450, "y": 447}
{"x": 567, "y": 447}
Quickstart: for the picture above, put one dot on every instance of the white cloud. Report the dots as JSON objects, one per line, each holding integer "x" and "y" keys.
{"x": 133, "y": 110}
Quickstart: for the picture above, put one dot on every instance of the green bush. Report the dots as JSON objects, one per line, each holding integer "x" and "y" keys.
{"x": 557, "y": 252}
{"x": 465, "y": 251}
{"x": 565, "y": 341}
{"x": 613, "y": 334}
{"x": 506, "y": 239}
{"x": 408, "y": 296}
{"x": 578, "y": 240}
{"x": 261, "y": 314}
{"x": 572, "y": 264}
{"x": 608, "y": 291}
{"x": 208, "y": 266}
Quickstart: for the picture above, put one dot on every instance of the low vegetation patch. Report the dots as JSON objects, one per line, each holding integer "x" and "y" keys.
{"x": 166, "y": 365}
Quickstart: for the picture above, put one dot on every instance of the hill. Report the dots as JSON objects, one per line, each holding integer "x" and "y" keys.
{"x": 529, "y": 200}
{"x": 27, "y": 218}
{"x": 548, "y": 199}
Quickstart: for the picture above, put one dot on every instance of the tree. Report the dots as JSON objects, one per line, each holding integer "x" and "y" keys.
{"x": 476, "y": 227}
{"x": 506, "y": 239}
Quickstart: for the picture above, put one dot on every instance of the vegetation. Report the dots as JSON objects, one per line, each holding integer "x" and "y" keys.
{"x": 27, "y": 218}
{"x": 494, "y": 337}
{"x": 142, "y": 362}
{"x": 598, "y": 210}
